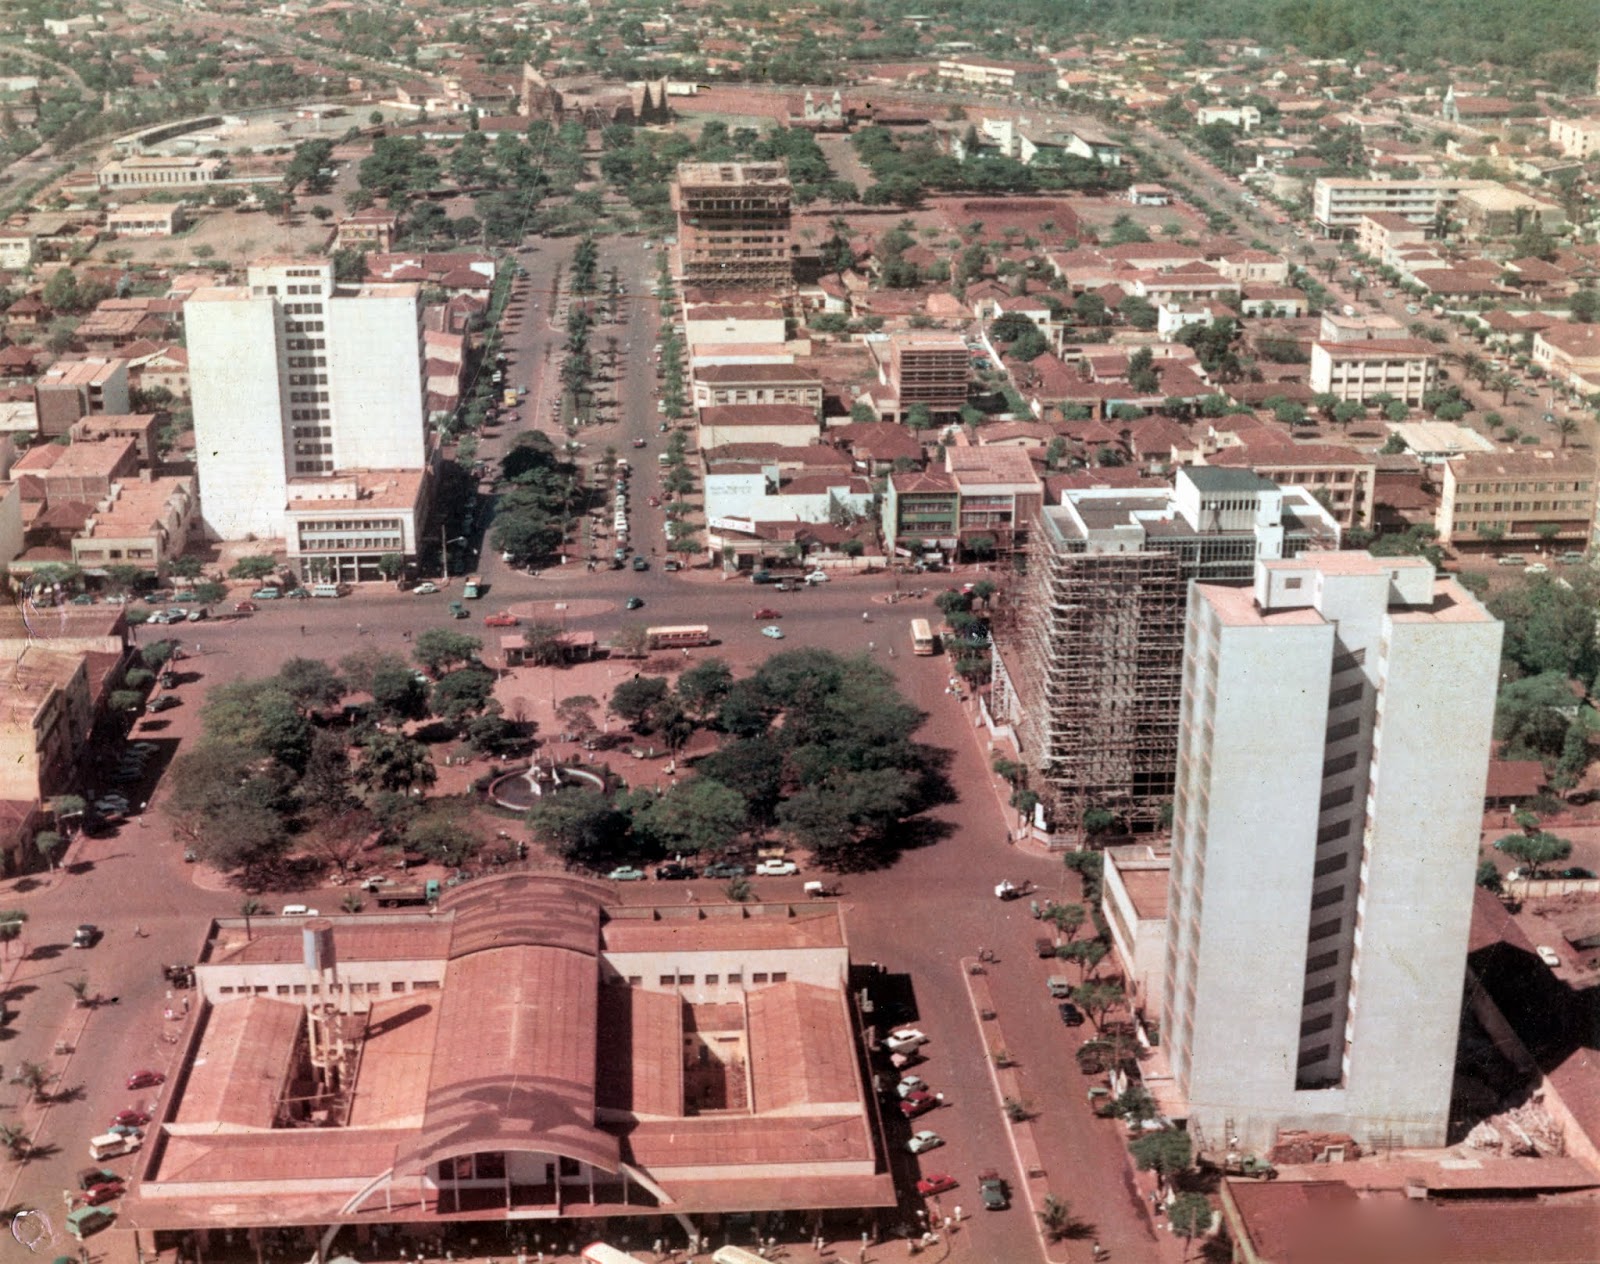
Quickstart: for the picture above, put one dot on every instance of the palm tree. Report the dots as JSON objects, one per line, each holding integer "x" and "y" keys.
{"x": 80, "y": 989}
{"x": 1502, "y": 382}
{"x": 1566, "y": 427}
{"x": 15, "y": 1139}
{"x": 32, "y": 1077}
{"x": 1056, "y": 1217}
{"x": 249, "y": 909}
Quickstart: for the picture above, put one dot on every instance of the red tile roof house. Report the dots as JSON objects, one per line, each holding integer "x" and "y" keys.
{"x": 524, "y": 1050}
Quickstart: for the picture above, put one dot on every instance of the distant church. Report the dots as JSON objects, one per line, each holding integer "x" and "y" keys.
{"x": 593, "y": 101}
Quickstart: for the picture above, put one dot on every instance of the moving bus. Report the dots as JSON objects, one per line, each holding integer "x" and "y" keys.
{"x": 921, "y": 637}
{"x": 679, "y": 637}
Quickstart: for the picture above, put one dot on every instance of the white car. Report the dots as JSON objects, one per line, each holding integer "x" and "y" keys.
{"x": 297, "y": 910}
{"x": 904, "y": 1040}
{"x": 817, "y": 577}
{"x": 776, "y": 868}
{"x": 1548, "y": 955}
{"x": 923, "y": 1141}
{"x": 910, "y": 1085}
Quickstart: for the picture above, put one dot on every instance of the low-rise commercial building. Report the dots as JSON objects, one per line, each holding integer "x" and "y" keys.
{"x": 1402, "y": 367}
{"x": 1570, "y": 353}
{"x": 147, "y": 220}
{"x": 341, "y": 527}
{"x": 1576, "y": 138}
{"x": 1000, "y": 494}
{"x": 720, "y": 385}
{"x": 1516, "y": 499}
{"x": 138, "y": 523}
{"x": 46, "y": 712}
{"x": 151, "y": 170}
{"x": 525, "y": 1052}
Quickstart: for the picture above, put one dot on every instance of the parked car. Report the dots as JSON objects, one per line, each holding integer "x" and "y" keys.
{"x": 268, "y": 593}
{"x": 724, "y": 869}
{"x": 1548, "y": 955}
{"x": 503, "y": 619}
{"x": 776, "y": 868}
{"x": 86, "y": 936}
{"x": 164, "y": 703}
{"x": 766, "y": 612}
{"x": 1071, "y": 1015}
{"x": 633, "y": 603}
{"x": 818, "y": 577}
{"x": 130, "y": 1118}
{"x": 674, "y": 872}
{"x": 904, "y": 1040}
{"x": 626, "y": 873}
{"x": 245, "y": 607}
{"x": 992, "y": 1189}
{"x": 911, "y": 1084}
{"x": 772, "y": 632}
{"x": 1575, "y": 871}
{"x": 938, "y": 1183}
{"x": 641, "y": 564}
{"x": 297, "y": 910}
{"x": 89, "y": 1177}
{"x": 131, "y": 1131}
{"x": 671, "y": 565}
{"x": 146, "y": 1079}
{"x": 425, "y": 589}
{"x": 102, "y": 1193}
{"x": 917, "y": 1102}
{"x": 922, "y": 1142}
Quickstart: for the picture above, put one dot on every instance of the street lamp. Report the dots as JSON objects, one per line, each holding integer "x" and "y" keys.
{"x": 444, "y": 549}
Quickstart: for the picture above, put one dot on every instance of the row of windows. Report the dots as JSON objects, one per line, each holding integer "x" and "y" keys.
{"x": 308, "y": 397}
{"x": 310, "y": 432}
{"x": 303, "y": 309}
{"x": 322, "y": 545}
{"x": 308, "y": 379}
{"x": 344, "y": 524}
{"x": 735, "y": 979}
{"x": 306, "y": 362}
{"x": 302, "y": 327}
{"x": 1578, "y": 507}
{"x": 304, "y": 344}
{"x": 314, "y": 449}
{"x": 316, "y": 989}
{"x": 313, "y": 467}
{"x": 310, "y": 414}
{"x": 1500, "y": 489}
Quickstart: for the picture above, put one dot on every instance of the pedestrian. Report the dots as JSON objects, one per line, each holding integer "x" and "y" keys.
{"x": 358, "y": 629}
{"x": 302, "y": 629}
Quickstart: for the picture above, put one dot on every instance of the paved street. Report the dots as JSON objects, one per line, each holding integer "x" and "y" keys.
{"x": 917, "y": 918}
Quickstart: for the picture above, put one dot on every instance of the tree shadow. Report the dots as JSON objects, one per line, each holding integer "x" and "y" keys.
{"x": 24, "y": 885}
{"x": 46, "y": 952}
{"x": 77, "y": 1093}
{"x": 79, "y": 867}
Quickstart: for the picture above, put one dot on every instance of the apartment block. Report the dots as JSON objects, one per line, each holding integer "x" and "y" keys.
{"x": 1576, "y": 138}
{"x": 46, "y": 712}
{"x": 1516, "y": 499}
{"x": 1343, "y": 479}
{"x": 1338, "y": 203}
{"x": 1382, "y": 231}
{"x": 734, "y": 225}
{"x": 71, "y": 390}
{"x": 1001, "y": 494}
{"x": 295, "y": 379}
{"x": 920, "y": 512}
{"x": 930, "y": 369}
{"x": 1402, "y": 367}
{"x": 1332, "y": 753}
{"x": 1087, "y": 675}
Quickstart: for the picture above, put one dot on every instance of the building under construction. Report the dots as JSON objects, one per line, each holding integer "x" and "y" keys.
{"x": 733, "y": 225}
{"x": 1088, "y": 664}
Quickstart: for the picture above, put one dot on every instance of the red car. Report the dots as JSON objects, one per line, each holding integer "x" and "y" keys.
{"x": 146, "y": 1079}
{"x": 97, "y": 1194}
{"x": 131, "y": 1118}
{"x": 505, "y": 619}
{"x": 653, "y": 501}
{"x": 245, "y": 607}
{"x": 938, "y": 1183}
{"x": 918, "y": 1102}
{"x": 765, "y": 613}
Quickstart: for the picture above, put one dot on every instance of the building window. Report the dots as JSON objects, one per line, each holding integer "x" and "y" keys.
{"x": 758, "y": 977}
{"x": 734, "y": 980}
{"x": 713, "y": 979}
{"x": 397, "y": 986}
{"x": 1313, "y": 1025}
{"x": 1322, "y": 961}
{"x": 780, "y": 976}
{"x": 1322, "y": 992}
{"x": 1323, "y": 930}
{"x": 667, "y": 980}
{"x": 635, "y": 980}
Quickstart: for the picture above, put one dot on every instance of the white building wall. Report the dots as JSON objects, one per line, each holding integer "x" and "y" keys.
{"x": 10, "y": 520}
{"x": 1249, "y": 761}
{"x": 375, "y": 382}
{"x": 239, "y": 426}
{"x": 1420, "y": 861}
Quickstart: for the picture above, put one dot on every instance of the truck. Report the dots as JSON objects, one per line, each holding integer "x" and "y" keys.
{"x": 473, "y": 588}
{"x": 397, "y": 897}
{"x": 1236, "y": 1164}
{"x": 508, "y": 397}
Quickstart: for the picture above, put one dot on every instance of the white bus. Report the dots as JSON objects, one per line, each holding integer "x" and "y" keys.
{"x": 678, "y": 637}
{"x": 921, "y": 637}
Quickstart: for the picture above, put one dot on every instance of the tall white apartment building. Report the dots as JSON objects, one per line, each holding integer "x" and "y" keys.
{"x": 1332, "y": 751}
{"x": 294, "y": 378}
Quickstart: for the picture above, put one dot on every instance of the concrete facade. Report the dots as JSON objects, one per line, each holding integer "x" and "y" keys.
{"x": 293, "y": 380}
{"x": 1324, "y": 845}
